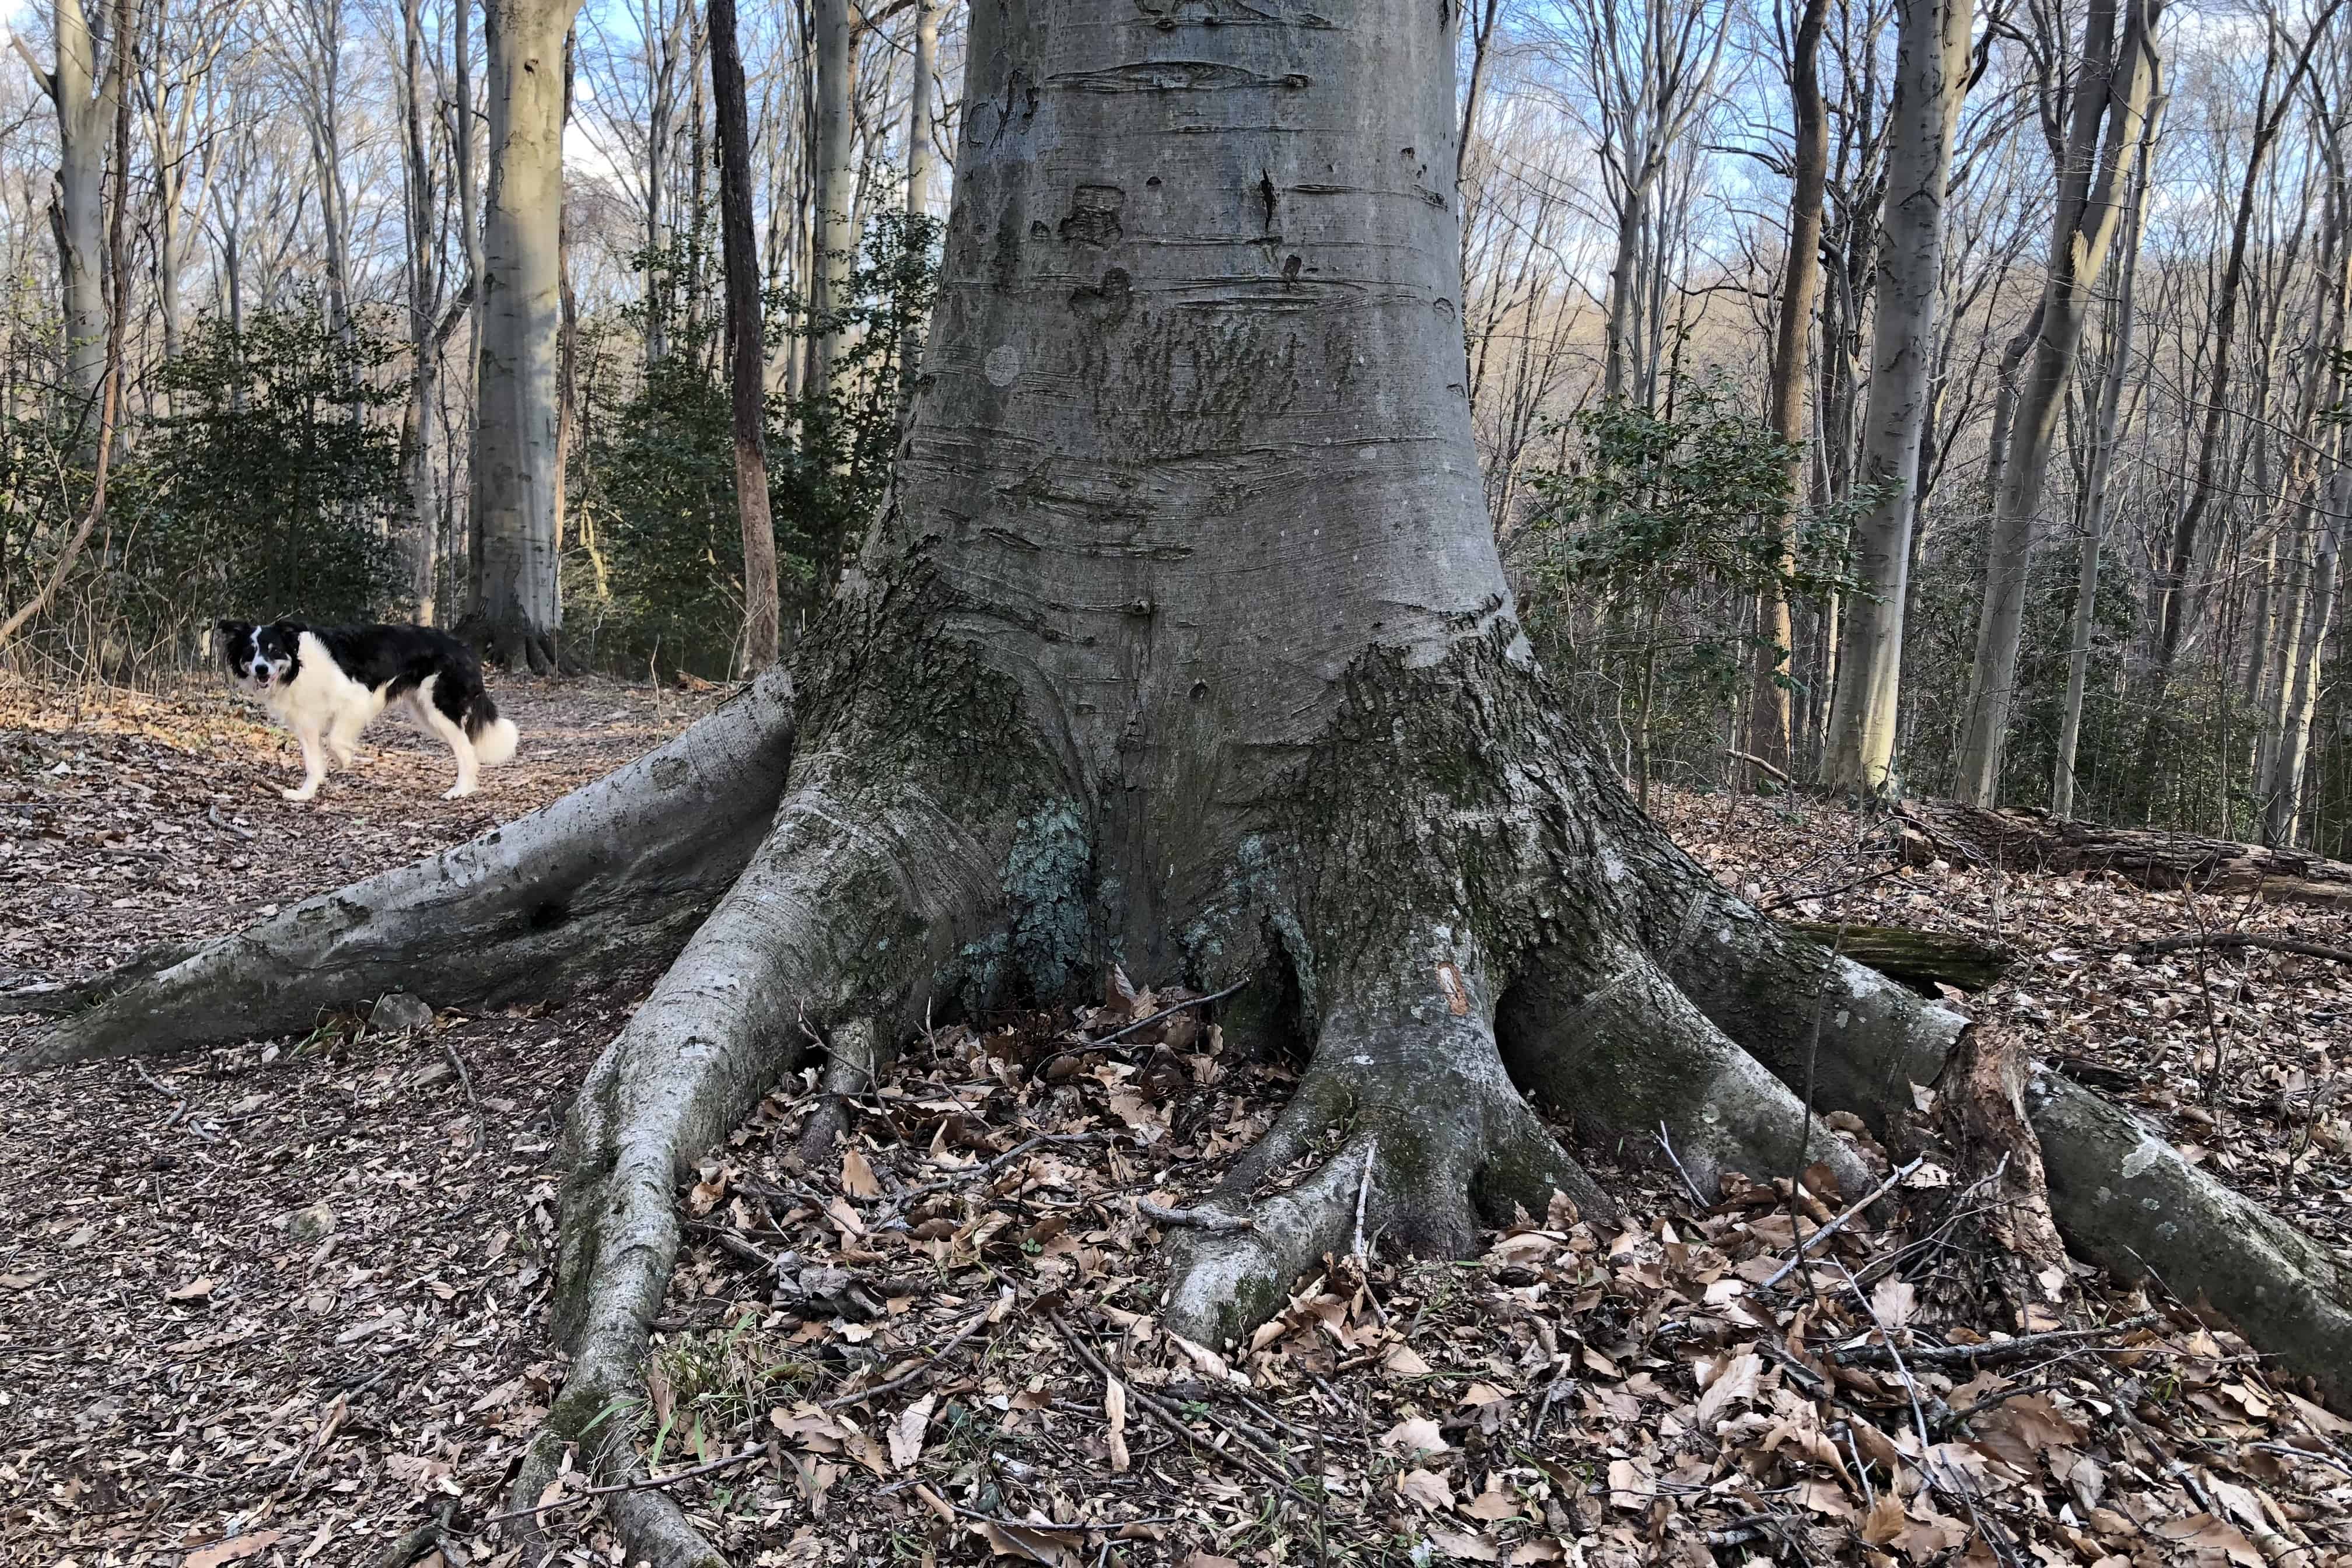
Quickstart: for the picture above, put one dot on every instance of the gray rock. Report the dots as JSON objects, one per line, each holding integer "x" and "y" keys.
{"x": 398, "y": 1012}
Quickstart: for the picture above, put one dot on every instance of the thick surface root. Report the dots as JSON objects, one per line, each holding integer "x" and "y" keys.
{"x": 1400, "y": 1175}
{"x": 2126, "y": 1199}
{"x": 788, "y": 956}
{"x": 629, "y": 863}
{"x": 1809, "y": 1013}
{"x": 1634, "y": 1059}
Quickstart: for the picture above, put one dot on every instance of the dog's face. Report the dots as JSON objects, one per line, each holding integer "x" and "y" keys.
{"x": 260, "y": 657}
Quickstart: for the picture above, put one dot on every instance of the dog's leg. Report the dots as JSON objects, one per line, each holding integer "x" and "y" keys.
{"x": 314, "y": 765}
{"x": 469, "y": 765}
{"x": 343, "y": 739}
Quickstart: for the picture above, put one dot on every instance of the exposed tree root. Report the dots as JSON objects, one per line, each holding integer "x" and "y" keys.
{"x": 836, "y": 919}
{"x": 854, "y": 1062}
{"x": 1813, "y": 1014}
{"x": 1634, "y": 1055}
{"x": 1399, "y": 1174}
{"x": 2126, "y": 1199}
{"x": 627, "y": 865}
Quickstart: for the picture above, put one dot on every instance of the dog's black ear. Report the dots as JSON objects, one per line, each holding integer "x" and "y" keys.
{"x": 232, "y": 628}
{"x": 289, "y": 629}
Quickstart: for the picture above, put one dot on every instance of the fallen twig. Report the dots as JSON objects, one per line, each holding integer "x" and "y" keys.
{"x": 1676, "y": 1161}
{"x": 929, "y": 1362}
{"x": 650, "y": 1483}
{"x": 2024, "y": 1348}
{"x": 2236, "y": 940}
{"x": 1250, "y": 1445}
{"x": 898, "y": 1205}
{"x": 1809, "y": 1243}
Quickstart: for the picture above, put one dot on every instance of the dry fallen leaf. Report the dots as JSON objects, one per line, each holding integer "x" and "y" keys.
{"x": 194, "y": 1289}
{"x": 907, "y": 1433}
{"x": 234, "y": 1551}
{"x": 858, "y": 1176}
{"x": 1425, "y": 1488}
{"x": 1114, "y": 1414}
{"x": 1463, "y": 1547}
{"x": 1415, "y": 1434}
{"x": 1030, "y": 1543}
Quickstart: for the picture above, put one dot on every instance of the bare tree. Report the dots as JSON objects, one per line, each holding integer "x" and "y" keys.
{"x": 1770, "y": 728}
{"x": 85, "y": 91}
{"x": 2097, "y": 490}
{"x": 1650, "y": 71}
{"x": 518, "y": 459}
{"x": 1932, "y": 50}
{"x": 2115, "y": 78}
{"x": 747, "y": 341}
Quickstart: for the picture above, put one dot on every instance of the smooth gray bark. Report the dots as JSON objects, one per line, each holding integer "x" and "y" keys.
{"x": 2113, "y": 86}
{"x": 831, "y": 231}
{"x": 518, "y": 457}
{"x": 2106, "y": 436}
{"x": 1931, "y": 61}
{"x": 84, "y": 97}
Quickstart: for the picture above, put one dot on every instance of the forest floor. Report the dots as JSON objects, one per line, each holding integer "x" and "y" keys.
{"x": 286, "y": 1302}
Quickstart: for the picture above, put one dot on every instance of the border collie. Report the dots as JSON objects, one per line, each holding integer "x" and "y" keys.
{"x": 326, "y": 683}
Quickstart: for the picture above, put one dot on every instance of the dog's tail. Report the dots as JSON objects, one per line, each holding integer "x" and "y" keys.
{"x": 494, "y": 737}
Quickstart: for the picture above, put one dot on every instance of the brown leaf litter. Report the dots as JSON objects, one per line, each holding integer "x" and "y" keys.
{"x": 286, "y": 1303}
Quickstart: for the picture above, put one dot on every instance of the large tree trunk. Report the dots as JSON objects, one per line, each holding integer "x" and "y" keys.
{"x": 1770, "y": 732}
{"x": 1141, "y": 665}
{"x": 747, "y": 341}
{"x": 1932, "y": 47}
{"x": 518, "y": 457}
{"x": 2112, "y": 90}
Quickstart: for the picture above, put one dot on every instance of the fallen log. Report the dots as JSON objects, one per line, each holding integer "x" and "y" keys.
{"x": 1920, "y": 959}
{"x": 2155, "y": 858}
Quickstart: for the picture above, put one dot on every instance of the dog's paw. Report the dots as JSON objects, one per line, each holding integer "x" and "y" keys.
{"x": 299, "y": 796}
{"x": 459, "y": 790}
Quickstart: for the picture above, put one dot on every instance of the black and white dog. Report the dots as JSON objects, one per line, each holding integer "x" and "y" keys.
{"x": 326, "y": 683}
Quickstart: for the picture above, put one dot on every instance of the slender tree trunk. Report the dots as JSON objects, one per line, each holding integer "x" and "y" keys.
{"x": 1771, "y": 735}
{"x": 2178, "y": 559}
{"x": 919, "y": 97}
{"x": 85, "y": 98}
{"x": 919, "y": 181}
{"x": 2112, "y": 89}
{"x": 835, "y": 195}
{"x": 746, "y": 337}
{"x": 420, "y": 530}
{"x": 2103, "y": 459}
{"x": 516, "y": 613}
{"x": 2283, "y": 813}
{"x": 1931, "y": 66}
